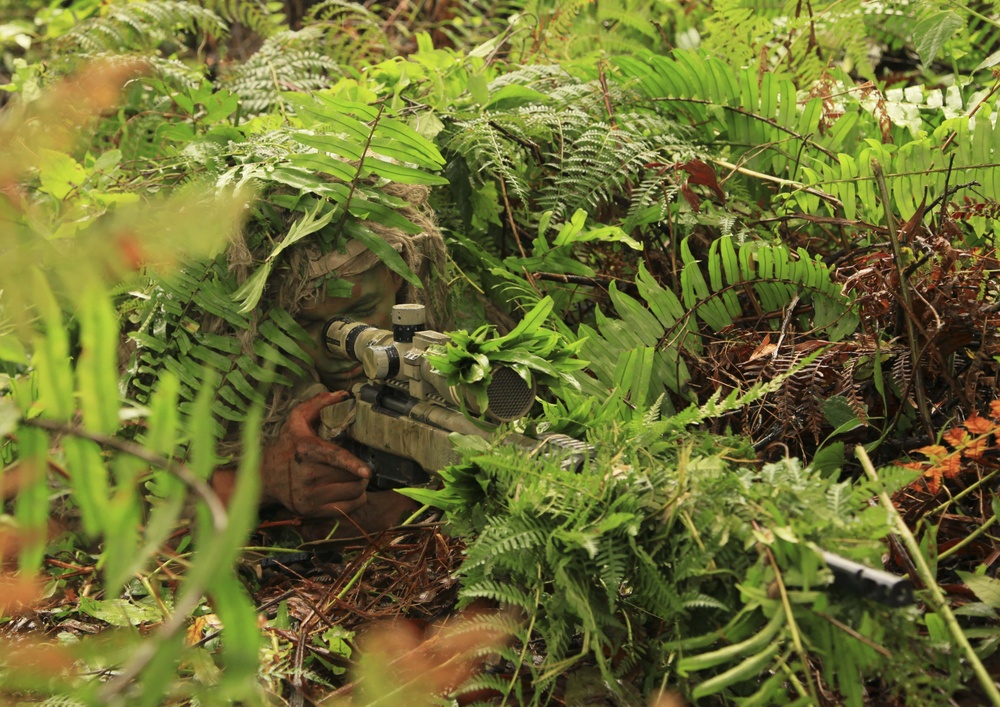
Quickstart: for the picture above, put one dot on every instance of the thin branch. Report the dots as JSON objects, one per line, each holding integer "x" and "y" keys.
{"x": 778, "y": 180}
{"x": 770, "y": 121}
{"x": 182, "y": 472}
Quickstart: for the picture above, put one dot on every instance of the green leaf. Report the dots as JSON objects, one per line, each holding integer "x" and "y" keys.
{"x": 326, "y": 164}
{"x": 10, "y": 415}
{"x": 122, "y": 612}
{"x": 59, "y": 174}
{"x": 401, "y": 173}
{"x": 840, "y": 415}
{"x": 11, "y": 349}
{"x": 385, "y": 252}
{"x": 331, "y": 143}
{"x": 931, "y": 34}
{"x": 531, "y": 321}
{"x": 986, "y": 589}
{"x": 97, "y": 366}
{"x": 992, "y": 60}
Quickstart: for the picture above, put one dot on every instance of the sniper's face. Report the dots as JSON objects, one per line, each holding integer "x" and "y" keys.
{"x": 372, "y": 297}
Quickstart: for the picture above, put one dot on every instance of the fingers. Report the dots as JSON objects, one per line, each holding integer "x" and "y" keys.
{"x": 331, "y": 499}
{"x": 330, "y": 455}
{"x": 317, "y": 492}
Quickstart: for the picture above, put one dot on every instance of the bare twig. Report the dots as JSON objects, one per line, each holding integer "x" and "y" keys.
{"x": 778, "y": 180}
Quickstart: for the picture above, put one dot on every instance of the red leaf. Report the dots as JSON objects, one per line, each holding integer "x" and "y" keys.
{"x": 691, "y": 197}
{"x": 910, "y": 228}
{"x": 704, "y": 175}
{"x": 935, "y": 451}
{"x": 955, "y": 436}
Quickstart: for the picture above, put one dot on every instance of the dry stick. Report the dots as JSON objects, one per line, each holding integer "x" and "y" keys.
{"x": 854, "y": 634}
{"x": 964, "y": 492}
{"x": 199, "y": 486}
{"x": 937, "y": 599}
{"x": 904, "y": 291}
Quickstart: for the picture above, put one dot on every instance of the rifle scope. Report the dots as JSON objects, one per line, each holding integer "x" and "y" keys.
{"x": 397, "y": 357}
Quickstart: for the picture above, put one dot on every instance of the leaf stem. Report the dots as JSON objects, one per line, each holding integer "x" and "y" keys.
{"x": 792, "y": 625}
{"x": 967, "y": 539}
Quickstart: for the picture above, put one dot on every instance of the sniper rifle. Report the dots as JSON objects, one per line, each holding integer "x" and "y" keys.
{"x": 399, "y": 421}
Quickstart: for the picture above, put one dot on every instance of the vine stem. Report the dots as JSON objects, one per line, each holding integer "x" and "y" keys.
{"x": 971, "y": 537}
{"x": 937, "y": 599}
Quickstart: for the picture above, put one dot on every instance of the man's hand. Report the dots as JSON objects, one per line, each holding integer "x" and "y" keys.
{"x": 309, "y": 475}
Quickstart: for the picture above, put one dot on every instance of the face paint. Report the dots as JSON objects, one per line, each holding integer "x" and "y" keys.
{"x": 372, "y": 296}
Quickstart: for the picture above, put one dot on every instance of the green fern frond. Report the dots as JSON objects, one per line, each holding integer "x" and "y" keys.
{"x": 264, "y": 18}
{"x": 352, "y": 34}
{"x": 499, "y": 592}
{"x": 141, "y": 27}
{"x": 286, "y": 61}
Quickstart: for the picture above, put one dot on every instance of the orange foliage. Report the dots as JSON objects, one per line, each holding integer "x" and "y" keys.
{"x": 971, "y": 441}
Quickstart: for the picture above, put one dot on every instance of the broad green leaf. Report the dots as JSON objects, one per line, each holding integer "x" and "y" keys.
{"x": 331, "y": 143}
{"x": 931, "y": 34}
{"x": 11, "y": 349}
{"x": 32, "y": 504}
{"x": 122, "y": 612}
{"x": 990, "y": 61}
{"x": 122, "y": 520}
{"x": 241, "y": 637}
{"x": 10, "y": 415}
{"x": 88, "y": 475}
{"x": 401, "y": 173}
{"x": 531, "y": 321}
{"x": 986, "y": 589}
{"x": 158, "y": 678}
{"x": 59, "y": 174}
{"x": 402, "y": 134}
{"x": 572, "y": 232}
{"x": 51, "y": 354}
{"x": 840, "y": 415}
{"x": 315, "y": 162}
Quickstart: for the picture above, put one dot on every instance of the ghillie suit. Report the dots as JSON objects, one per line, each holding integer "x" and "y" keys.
{"x": 189, "y": 319}
{"x": 300, "y": 280}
